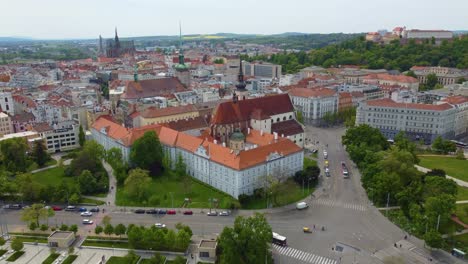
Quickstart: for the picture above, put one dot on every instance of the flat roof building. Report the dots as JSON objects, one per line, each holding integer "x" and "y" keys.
{"x": 61, "y": 239}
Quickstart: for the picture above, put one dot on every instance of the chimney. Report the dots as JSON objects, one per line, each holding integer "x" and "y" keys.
{"x": 215, "y": 141}
{"x": 248, "y": 131}
{"x": 276, "y": 135}
{"x": 261, "y": 132}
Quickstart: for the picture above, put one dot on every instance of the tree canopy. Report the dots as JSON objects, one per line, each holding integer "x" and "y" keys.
{"x": 147, "y": 153}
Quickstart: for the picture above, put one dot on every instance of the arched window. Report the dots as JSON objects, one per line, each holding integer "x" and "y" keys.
{"x": 290, "y": 116}
{"x": 277, "y": 119}
{"x": 284, "y": 118}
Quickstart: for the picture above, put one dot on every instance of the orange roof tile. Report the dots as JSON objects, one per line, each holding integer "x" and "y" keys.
{"x": 456, "y": 99}
{"x": 387, "y": 102}
{"x": 112, "y": 129}
{"x": 315, "y": 92}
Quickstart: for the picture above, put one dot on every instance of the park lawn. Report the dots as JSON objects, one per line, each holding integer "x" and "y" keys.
{"x": 51, "y": 258}
{"x": 462, "y": 193}
{"x": 53, "y": 176}
{"x": 462, "y": 212}
{"x": 147, "y": 261}
{"x": 121, "y": 260}
{"x": 15, "y": 256}
{"x": 460, "y": 242}
{"x": 173, "y": 261}
{"x": 70, "y": 259}
{"x": 162, "y": 187}
{"x": 452, "y": 166}
{"x": 292, "y": 193}
{"x": 32, "y": 239}
{"x": 309, "y": 162}
{"x": 84, "y": 200}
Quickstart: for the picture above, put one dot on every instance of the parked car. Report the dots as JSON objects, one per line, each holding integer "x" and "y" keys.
{"x": 87, "y": 222}
{"x": 171, "y": 212}
{"x": 159, "y": 225}
{"x": 94, "y": 210}
{"x": 224, "y": 213}
{"x": 139, "y": 211}
{"x": 188, "y": 212}
{"x": 13, "y": 206}
{"x": 70, "y": 208}
{"x": 86, "y": 214}
{"x": 152, "y": 211}
{"x": 57, "y": 208}
{"x": 301, "y": 205}
{"x": 162, "y": 211}
{"x": 212, "y": 213}
{"x": 314, "y": 151}
{"x": 82, "y": 209}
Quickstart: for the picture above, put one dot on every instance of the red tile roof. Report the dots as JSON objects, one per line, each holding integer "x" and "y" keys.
{"x": 287, "y": 128}
{"x": 230, "y": 112}
{"x": 153, "y": 112}
{"x": 456, "y": 99}
{"x": 112, "y": 129}
{"x": 188, "y": 124}
{"x": 315, "y": 92}
{"x": 152, "y": 88}
{"x": 389, "y": 77}
{"x": 387, "y": 102}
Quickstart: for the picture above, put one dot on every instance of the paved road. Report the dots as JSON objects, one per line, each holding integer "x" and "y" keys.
{"x": 355, "y": 230}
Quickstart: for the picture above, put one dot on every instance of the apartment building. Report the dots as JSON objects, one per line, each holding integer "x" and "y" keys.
{"x": 445, "y": 75}
{"x": 314, "y": 103}
{"x": 419, "y": 121}
{"x": 6, "y": 126}
{"x": 261, "y": 69}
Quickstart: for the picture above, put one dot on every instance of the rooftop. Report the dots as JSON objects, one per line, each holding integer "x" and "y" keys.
{"x": 208, "y": 244}
{"x": 315, "y": 92}
{"x": 387, "y": 102}
{"x": 61, "y": 234}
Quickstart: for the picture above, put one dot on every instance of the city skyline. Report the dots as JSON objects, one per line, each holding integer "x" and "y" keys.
{"x": 52, "y": 20}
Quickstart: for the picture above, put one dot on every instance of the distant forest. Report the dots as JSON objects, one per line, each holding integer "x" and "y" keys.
{"x": 358, "y": 51}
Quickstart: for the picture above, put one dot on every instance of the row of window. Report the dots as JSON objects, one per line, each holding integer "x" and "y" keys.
{"x": 393, "y": 110}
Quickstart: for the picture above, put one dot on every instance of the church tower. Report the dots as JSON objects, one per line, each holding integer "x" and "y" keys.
{"x": 182, "y": 70}
{"x": 240, "y": 92}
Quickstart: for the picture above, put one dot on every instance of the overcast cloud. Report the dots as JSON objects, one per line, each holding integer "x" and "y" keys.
{"x": 88, "y": 18}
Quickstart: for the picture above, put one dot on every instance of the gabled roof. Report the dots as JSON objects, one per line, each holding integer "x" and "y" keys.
{"x": 112, "y": 129}
{"x": 153, "y": 112}
{"x": 230, "y": 112}
{"x": 287, "y": 128}
{"x": 152, "y": 88}
{"x": 315, "y": 92}
{"x": 198, "y": 122}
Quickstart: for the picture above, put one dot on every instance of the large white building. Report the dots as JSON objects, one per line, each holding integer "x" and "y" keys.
{"x": 6, "y": 103}
{"x": 59, "y": 138}
{"x": 237, "y": 169}
{"x": 419, "y": 121}
{"x": 314, "y": 103}
{"x": 261, "y": 69}
{"x": 461, "y": 117}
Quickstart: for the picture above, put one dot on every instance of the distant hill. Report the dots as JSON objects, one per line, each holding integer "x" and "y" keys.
{"x": 14, "y": 39}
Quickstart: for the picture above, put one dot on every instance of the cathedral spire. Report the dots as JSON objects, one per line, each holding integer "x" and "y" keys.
{"x": 240, "y": 78}
{"x": 117, "y": 42}
{"x": 181, "y": 51}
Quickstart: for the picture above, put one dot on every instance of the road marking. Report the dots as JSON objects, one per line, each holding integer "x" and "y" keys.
{"x": 332, "y": 203}
{"x": 303, "y": 256}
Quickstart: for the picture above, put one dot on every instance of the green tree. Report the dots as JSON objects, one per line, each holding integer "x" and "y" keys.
{"x": 182, "y": 240}
{"x": 411, "y": 74}
{"x": 108, "y": 229}
{"x": 44, "y": 227}
{"x": 186, "y": 228}
{"x": 39, "y": 153}
{"x": 63, "y": 227}
{"x": 460, "y": 154}
{"x": 435, "y": 185}
{"x": 157, "y": 259}
{"x": 32, "y": 226}
{"x": 441, "y": 205}
{"x": 14, "y": 154}
{"x": 73, "y": 228}
{"x": 16, "y": 244}
{"x": 179, "y": 260}
{"x": 120, "y": 230}
{"x": 114, "y": 157}
{"x": 170, "y": 239}
{"x": 28, "y": 188}
{"x": 147, "y": 152}
{"x": 136, "y": 184}
{"x": 180, "y": 166}
{"x": 81, "y": 136}
{"x": 74, "y": 198}
{"x": 431, "y": 81}
{"x": 433, "y": 239}
{"x": 246, "y": 241}
{"x": 461, "y": 80}
{"x": 34, "y": 213}
{"x": 98, "y": 230}
{"x": 87, "y": 182}
{"x": 2, "y": 241}
{"x": 300, "y": 117}
{"x": 218, "y": 61}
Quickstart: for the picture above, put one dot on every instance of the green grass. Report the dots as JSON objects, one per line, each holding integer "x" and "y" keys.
{"x": 162, "y": 186}
{"x": 51, "y": 258}
{"x": 32, "y": 239}
{"x": 462, "y": 212}
{"x": 70, "y": 259}
{"x": 105, "y": 238}
{"x": 172, "y": 261}
{"x": 309, "y": 162}
{"x": 291, "y": 193}
{"x": 91, "y": 201}
{"x": 107, "y": 244}
{"x": 147, "y": 261}
{"x": 315, "y": 155}
{"x": 121, "y": 260}
{"x": 2, "y": 252}
{"x": 462, "y": 193}
{"x": 452, "y": 166}
{"x": 460, "y": 242}
{"x": 30, "y": 234}
{"x": 53, "y": 176}
{"x": 15, "y": 256}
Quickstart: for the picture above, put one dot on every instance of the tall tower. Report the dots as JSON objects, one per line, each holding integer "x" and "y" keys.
{"x": 101, "y": 47}
{"x": 117, "y": 42}
{"x": 240, "y": 86}
{"x": 182, "y": 71}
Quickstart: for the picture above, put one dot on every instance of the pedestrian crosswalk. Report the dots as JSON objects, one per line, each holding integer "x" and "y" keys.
{"x": 303, "y": 256}
{"x": 333, "y": 203}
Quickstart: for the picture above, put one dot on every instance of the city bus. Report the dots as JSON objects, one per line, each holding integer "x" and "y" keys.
{"x": 459, "y": 144}
{"x": 279, "y": 240}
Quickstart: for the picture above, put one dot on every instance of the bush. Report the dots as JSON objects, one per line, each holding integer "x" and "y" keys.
{"x": 15, "y": 256}
{"x": 33, "y": 226}
{"x": 154, "y": 200}
{"x": 63, "y": 227}
{"x": 44, "y": 227}
{"x": 16, "y": 244}
{"x": 243, "y": 199}
{"x": 51, "y": 258}
{"x": 70, "y": 259}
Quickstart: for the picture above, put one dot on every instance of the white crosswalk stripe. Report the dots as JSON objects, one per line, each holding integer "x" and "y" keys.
{"x": 303, "y": 256}
{"x": 332, "y": 203}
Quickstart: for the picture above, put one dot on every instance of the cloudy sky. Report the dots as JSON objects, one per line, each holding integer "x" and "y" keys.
{"x": 57, "y": 19}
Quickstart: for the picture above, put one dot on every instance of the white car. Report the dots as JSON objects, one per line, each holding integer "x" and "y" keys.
{"x": 224, "y": 213}
{"x": 87, "y": 222}
{"x": 212, "y": 213}
{"x": 87, "y": 213}
{"x": 159, "y": 225}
